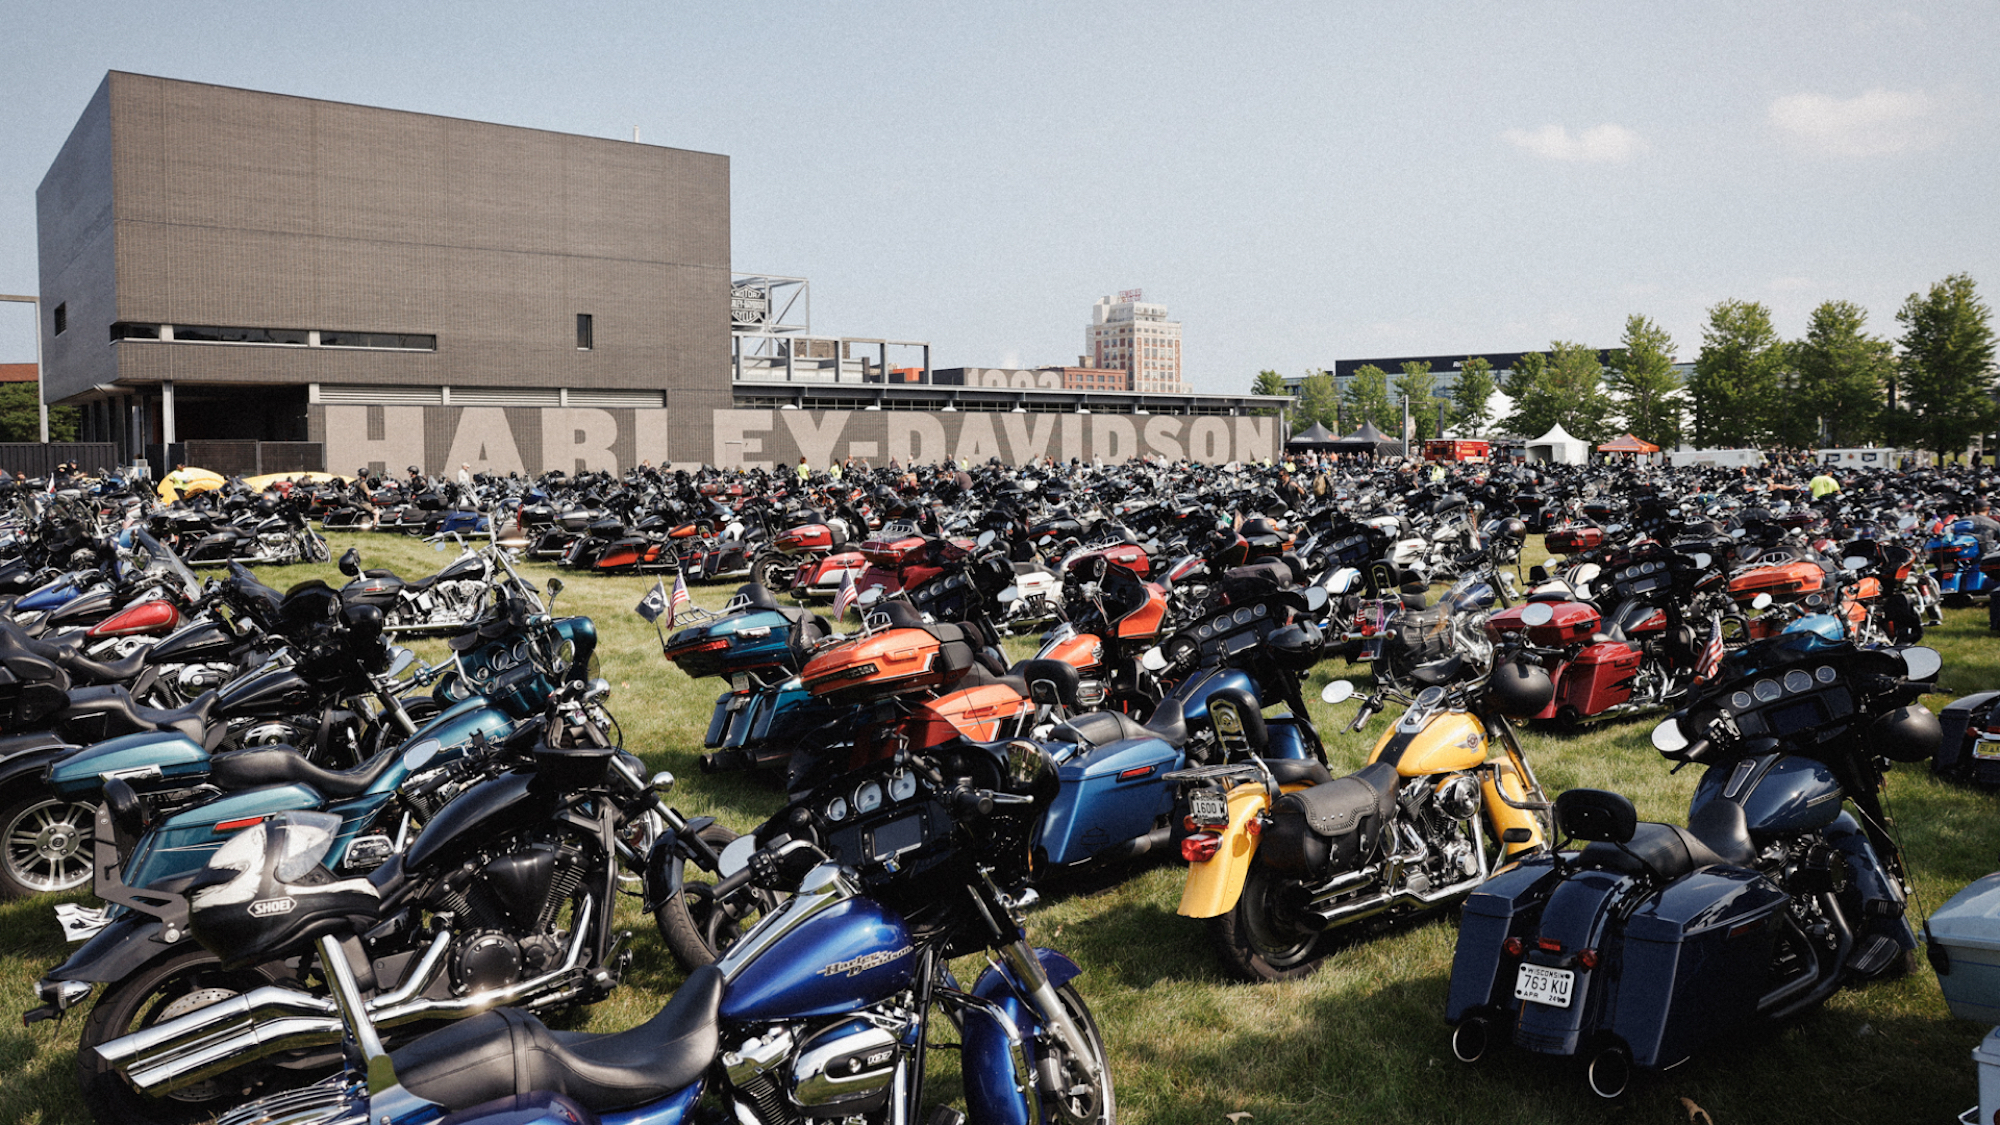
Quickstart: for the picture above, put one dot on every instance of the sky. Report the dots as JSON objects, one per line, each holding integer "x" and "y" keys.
{"x": 1297, "y": 183}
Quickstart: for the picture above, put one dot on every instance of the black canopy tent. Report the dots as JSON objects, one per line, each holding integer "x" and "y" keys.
{"x": 1315, "y": 438}
{"x": 1368, "y": 439}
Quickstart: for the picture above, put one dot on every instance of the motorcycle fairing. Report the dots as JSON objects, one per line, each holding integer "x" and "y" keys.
{"x": 849, "y": 955}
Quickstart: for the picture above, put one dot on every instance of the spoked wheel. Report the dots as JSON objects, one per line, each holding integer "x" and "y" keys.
{"x": 163, "y": 990}
{"x": 1067, "y": 1085}
{"x": 46, "y": 842}
{"x": 1263, "y": 938}
{"x": 698, "y": 927}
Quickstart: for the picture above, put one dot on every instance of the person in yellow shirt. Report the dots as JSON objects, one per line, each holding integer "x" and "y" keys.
{"x": 1823, "y": 485}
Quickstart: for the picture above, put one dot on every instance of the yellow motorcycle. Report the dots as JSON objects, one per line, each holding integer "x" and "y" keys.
{"x": 1446, "y": 797}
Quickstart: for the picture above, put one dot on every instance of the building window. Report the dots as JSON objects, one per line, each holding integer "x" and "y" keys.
{"x": 62, "y": 318}
{"x": 583, "y": 332}
{"x": 126, "y": 330}
{"x": 397, "y": 341}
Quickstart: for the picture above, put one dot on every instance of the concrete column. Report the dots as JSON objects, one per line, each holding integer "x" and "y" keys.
{"x": 167, "y": 412}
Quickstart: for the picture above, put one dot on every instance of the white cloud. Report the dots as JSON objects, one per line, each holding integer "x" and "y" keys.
{"x": 1599, "y": 144}
{"x": 1874, "y": 123}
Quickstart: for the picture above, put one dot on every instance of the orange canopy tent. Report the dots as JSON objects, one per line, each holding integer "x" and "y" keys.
{"x": 1628, "y": 444}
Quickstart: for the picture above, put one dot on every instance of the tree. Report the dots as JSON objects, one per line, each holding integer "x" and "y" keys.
{"x": 1535, "y": 407}
{"x": 1319, "y": 401}
{"x": 1269, "y": 383}
{"x": 1564, "y": 387}
{"x": 1420, "y": 387}
{"x": 1946, "y": 369}
{"x": 1368, "y": 398}
{"x": 1842, "y": 373}
{"x": 1735, "y": 386}
{"x": 20, "y": 420}
{"x": 1472, "y": 396}
{"x": 1641, "y": 373}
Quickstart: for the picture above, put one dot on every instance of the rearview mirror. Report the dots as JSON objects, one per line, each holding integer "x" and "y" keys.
{"x": 986, "y": 538}
{"x": 1316, "y": 598}
{"x": 1921, "y": 663}
{"x": 1537, "y": 614}
{"x": 555, "y": 587}
{"x": 1853, "y": 562}
{"x": 1761, "y": 602}
{"x": 1668, "y": 736}
{"x": 1337, "y": 691}
{"x": 1010, "y": 595}
{"x": 1153, "y": 660}
{"x": 400, "y": 662}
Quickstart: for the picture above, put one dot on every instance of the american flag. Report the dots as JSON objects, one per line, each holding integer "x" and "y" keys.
{"x": 843, "y": 597}
{"x": 681, "y": 597}
{"x": 1711, "y": 654}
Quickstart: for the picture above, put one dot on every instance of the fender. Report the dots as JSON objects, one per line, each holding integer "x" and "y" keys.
{"x": 116, "y": 951}
{"x": 1578, "y": 914}
{"x": 1214, "y": 885}
{"x": 989, "y": 1045}
{"x": 666, "y": 864}
{"x": 30, "y": 754}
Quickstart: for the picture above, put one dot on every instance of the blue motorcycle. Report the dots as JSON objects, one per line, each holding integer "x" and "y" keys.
{"x": 820, "y": 1012}
{"x": 1652, "y": 939}
{"x": 1955, "y": 551}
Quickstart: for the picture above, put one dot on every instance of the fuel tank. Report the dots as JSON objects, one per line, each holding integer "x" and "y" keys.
{"x": 851, "y": 953}
{"x": 204, "y": 642}
{"x": 271, "y": 693}
{"x": 1447, "y": 743}
{"x": 1781, "y": 795}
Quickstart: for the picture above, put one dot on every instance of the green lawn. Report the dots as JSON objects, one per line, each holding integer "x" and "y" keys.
{"x": 1362, "y": 1041}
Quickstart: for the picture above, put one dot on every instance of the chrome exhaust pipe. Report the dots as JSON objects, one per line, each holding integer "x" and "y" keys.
{"x": 265, "y": 1021}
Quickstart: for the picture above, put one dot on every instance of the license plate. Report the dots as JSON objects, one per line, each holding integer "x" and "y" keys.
{"x": 1544, "y": 985}
{"x": 1986, "y": 749}
{"x": 740, "y": 681}
{"x": 1209, "y": 808}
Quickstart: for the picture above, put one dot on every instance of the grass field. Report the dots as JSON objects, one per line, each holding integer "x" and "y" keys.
{"x": 1361, "y": 1041}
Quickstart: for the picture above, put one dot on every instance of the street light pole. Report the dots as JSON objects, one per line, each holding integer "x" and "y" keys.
{"x": 41, "y": 400}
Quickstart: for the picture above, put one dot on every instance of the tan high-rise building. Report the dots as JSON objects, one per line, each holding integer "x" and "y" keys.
{"x": 1132, "y": 336}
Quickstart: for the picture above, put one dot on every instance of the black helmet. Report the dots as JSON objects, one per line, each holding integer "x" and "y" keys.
{"x": 266, "y": 892}
{"x": 1520, "y": 689}
{"x": 1908, "y": 734}
{"x": 1299, "y": 645}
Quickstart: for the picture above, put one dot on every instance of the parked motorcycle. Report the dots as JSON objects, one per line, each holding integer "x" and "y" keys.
{"x": 1447, "y": 796}
{"x": 1653, "y": 939}
{"x": 820, "y": 1012}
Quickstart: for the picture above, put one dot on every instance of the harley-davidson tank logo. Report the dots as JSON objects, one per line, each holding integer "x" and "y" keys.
{"x": 864, "y": 962}
{"x": 264, "y": 908}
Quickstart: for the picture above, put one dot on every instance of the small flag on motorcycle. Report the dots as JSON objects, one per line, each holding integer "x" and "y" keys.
{"x": 680, "y": 598}
{"x": 843, "y": 597}
{"x": 654, "y": 603}
{"x": 1711, "y": 655}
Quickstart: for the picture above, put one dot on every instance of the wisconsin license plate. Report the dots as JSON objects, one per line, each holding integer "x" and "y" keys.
{"x": 1544, "y": 985}
{"x": 1209, "y": 808}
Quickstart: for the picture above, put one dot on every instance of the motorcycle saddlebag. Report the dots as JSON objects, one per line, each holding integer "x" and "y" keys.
{"x": 1695, "y": 960}
{"x": 1963, "y": 943}
{"x": 1421, "y": 635}
{"x": 1335, "y": 825}
{"x": 887, "y": 663}
{"x": 1600, "y": 677}
{"x": 1969, "y": 751}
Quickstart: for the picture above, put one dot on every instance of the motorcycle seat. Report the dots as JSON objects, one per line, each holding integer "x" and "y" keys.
{"x": 506, "y": 1052}
{"x": 1296, "y": 771}
{"x": 260, "y": 766}
{"x": 125, "y": 715}
{"x": 1716, "y": 833}
{"x": 1438, "y": 672}
{"x": 1101, "y": 728}
{"x": 96, "y": 671}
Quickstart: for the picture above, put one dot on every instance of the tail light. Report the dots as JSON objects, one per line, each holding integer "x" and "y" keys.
{"x": 1548, "y": 945}
{"x": 1513, "y": 947}
{"x": 1200, "y": 847}
{"x": 1587, "y": 958}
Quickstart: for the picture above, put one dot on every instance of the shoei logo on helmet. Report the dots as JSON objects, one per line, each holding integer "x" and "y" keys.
{"x": 264, "y": 908}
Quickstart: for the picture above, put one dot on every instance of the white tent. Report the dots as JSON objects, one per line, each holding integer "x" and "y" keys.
{"x": 1558, "y": 447}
